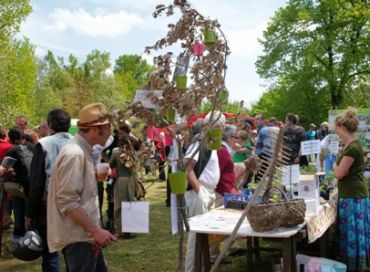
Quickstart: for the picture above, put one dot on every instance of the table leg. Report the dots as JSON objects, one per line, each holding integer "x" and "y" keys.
{"x": 256, "y": 246}
{"x": 206, "y": 258}
{"x": 324, "y": 244}
{"x": 249, "y": 250}
{"x": 198, "y": 253}
{"x": 289, "y": 255}
{"x": 202, "y": 258}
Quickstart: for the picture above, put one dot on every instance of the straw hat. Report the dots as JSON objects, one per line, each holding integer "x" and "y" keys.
{"x": 92, "y": 115}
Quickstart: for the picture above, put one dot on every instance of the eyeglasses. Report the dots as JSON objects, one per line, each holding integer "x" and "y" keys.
{"x": 235, "y": 137}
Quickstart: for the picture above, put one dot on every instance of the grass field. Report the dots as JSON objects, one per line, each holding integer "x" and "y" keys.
{"x": 156, "y": 251}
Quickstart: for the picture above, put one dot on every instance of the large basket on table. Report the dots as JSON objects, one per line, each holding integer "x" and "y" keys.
{"x": 267, "y": 216}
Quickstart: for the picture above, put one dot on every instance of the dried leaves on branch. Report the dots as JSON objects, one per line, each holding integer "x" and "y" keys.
{"x": 206, "y": 78}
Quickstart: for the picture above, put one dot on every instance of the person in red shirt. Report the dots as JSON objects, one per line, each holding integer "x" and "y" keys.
{"x": 5, "y": 146}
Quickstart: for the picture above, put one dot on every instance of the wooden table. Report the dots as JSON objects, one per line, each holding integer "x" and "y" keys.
{"x": 222, "y": 221}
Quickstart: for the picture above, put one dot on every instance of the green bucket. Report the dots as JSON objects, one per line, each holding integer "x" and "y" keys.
{"x": 181, "y": 82}
{"x": 178, "y": 182}
{"x": 210, "y": 37}
{"x": 214, "y": 138}
{"x": 170, "y": 115}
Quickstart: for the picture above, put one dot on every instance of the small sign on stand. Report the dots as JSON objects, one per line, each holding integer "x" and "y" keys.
{"x": 308, "y": 188}
{"x": 310, "y": 147}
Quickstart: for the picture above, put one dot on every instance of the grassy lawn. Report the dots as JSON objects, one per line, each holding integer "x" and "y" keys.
{"x": 156, "y": 251}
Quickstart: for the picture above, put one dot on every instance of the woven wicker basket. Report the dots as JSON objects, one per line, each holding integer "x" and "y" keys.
{"x": 270, "y": 215}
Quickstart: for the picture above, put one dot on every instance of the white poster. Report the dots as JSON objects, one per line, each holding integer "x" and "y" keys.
{"x": 144, "y": 96}
{"x": 174, "y": 225}
{"x": 310, "y": 147}
{"x": 135, "y": 217}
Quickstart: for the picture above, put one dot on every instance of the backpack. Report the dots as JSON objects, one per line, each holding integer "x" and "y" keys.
{"x": 26, "y": 158}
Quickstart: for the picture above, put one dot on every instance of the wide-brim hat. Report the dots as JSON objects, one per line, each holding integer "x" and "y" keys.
{"x": 93, "y": 115}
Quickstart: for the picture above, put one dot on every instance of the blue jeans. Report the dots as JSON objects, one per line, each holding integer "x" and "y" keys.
{"x": 50, "y": 261}
{"x": 80, "y": 258}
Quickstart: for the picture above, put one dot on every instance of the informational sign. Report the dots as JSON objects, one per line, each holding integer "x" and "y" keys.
{"x": 334, "y": 147}
{"x": 290, "y": 174}
{"x": 310, "y": 147}
{"x": 317, "y": 225}
{"x": 308, "y": 187}
{"x": 144, "y": 96}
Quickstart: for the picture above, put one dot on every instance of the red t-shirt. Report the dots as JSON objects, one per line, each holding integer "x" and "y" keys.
{"x": 4, "y": 148}
{"x": 226, "y": 183}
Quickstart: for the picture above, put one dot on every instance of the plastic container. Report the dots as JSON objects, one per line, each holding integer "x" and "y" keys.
{"x": 235, "y": 201}
{"x": 177, "y": 182}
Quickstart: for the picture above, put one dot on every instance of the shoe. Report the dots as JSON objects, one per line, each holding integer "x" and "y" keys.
{"x": 127, "y": 235}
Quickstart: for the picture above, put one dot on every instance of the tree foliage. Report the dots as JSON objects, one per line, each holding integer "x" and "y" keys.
{"x": 315, "y": 51}
{"x": 17, "y": 64}
{"x": 133, "y": 72}
{"x": 12, "y": 13}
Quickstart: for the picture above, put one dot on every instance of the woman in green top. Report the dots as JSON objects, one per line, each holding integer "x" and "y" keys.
{"x": 354, "y": 203}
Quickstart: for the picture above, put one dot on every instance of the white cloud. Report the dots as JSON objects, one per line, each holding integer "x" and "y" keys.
{"x": 243, "y": 42}
{"x": 97, "y": 24}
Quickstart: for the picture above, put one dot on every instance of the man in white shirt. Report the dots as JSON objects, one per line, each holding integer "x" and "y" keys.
{"x": 201, "y": 196}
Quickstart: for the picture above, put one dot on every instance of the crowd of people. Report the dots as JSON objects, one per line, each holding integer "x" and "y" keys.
{"x": 58, "y": 185}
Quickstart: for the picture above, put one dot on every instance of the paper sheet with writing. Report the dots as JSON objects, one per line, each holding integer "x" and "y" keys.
{"x": 310, "y": 147}
{"x": 174, "y": 224}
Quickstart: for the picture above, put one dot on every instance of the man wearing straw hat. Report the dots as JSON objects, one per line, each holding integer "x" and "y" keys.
{"x": 73, "y": 220}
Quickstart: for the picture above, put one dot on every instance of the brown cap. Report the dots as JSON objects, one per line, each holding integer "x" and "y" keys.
{"x": 92, "y": 115}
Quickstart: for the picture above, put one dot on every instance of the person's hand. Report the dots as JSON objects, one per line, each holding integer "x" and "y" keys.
{"x": 9, "y": 174}
{"x": 2, "y": 170}
{"x": 103, "y": 237}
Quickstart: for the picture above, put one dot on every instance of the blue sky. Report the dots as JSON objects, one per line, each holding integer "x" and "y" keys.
{"x": 127, "y": 26}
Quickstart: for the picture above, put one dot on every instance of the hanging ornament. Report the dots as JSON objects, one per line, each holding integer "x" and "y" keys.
{"x": 198, "y": 49}
{"x": 210, "y": 36}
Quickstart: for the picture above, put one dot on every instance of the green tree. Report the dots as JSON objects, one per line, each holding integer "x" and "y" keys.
{"x": 17, "y": 81}
{"x": 12, "y": 14}
{"x": 17, "y": 63}
{"x": 323, "y": 44}
{"x": 133, "y": 72}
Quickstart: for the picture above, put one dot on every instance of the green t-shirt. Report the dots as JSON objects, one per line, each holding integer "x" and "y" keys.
{"x": 242, "y": 156}
{"x": 354, "y": 184}
{"x": 116, "y": 162}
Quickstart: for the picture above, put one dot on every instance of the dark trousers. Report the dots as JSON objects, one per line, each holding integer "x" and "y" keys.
{"x": 19, "y": 208}
{"x": 110, "y": 209}
{"x": 101, "y": 199}
{"x": 81, "y": 257}
{"x": 162, "y": 174}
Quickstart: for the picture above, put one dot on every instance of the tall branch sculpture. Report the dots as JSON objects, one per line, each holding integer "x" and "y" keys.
{"x": 205, "y": 43}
